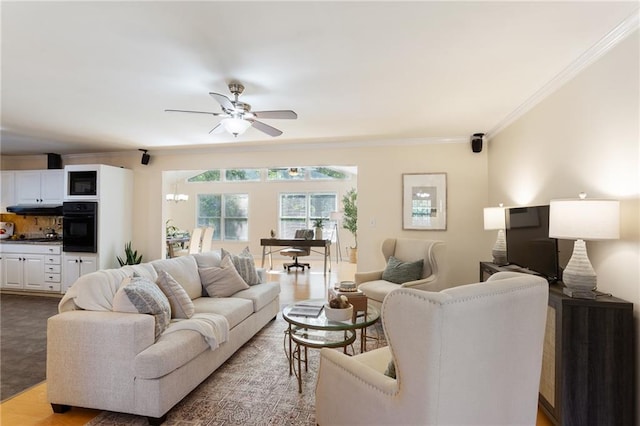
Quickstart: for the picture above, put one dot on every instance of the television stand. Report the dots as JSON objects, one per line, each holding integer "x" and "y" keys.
{"x": 588, "y": 371}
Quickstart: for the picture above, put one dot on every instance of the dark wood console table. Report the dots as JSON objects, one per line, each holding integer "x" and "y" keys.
{"x": 588, "y": 371}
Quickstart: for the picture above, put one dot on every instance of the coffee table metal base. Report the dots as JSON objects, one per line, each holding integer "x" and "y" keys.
{"x": 308, "y": 338}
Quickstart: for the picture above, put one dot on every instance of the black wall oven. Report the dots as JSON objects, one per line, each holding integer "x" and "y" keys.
{"x": 80, "y": 226}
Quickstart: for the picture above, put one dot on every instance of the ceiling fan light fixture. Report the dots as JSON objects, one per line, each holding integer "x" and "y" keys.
{"x": 235, "y": 126}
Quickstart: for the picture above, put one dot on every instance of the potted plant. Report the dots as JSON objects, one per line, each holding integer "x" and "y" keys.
{"x": 131, "y": 256}
{"x": 318, "y": 224}
{"x": 350, "y": 221}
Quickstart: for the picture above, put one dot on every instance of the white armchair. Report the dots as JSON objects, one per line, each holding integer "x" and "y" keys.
{"x": 406, "y": 250}
{"x": 468, "y": 355}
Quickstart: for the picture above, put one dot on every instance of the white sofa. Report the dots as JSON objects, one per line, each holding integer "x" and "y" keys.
{"x": 101, "y": 359}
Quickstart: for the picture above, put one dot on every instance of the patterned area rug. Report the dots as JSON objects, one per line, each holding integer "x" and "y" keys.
{"x": 253, "y": 387}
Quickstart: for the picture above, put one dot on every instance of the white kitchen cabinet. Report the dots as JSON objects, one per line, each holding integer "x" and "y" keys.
{"x": 39, "y": 187}
{"x": 24, "y": 267}
{"x": 7, "y": 190}
{"x": 75, "y": 266}
{"x": 24, "y": 271}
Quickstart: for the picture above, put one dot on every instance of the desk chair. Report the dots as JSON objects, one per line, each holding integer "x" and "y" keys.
{"x": 295, "y": 252}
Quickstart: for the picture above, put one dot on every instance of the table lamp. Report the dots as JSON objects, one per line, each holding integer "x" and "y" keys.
{"x": 494, "y": 219}
{"x": 583, "y": 219}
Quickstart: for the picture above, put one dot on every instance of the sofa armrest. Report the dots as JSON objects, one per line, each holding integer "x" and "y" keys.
{"x": 90, "y": 357}
{"x": 363, "y": 277}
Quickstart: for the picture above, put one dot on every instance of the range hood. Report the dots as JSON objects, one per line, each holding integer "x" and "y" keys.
{"x": 36, "y": 210}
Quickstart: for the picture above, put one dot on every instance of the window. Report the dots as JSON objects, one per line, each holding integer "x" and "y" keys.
{"x": 228, "y": 213}
{"x": 298, "y": 210}
{"x": 230, "y": 175}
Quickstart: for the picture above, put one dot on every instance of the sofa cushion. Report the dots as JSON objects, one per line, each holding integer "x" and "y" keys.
{"x": 140, "y": 295}
{"x": 181, "y": 304}
{"x": 141, "y": 270}
{"x": 183, "y": 269}
{"x": 223, "y": 281}
{"x": 377, "y": 289}
{"x": 171, "y": 351}
{"x": 245, "y": 265}
{"x": 261, "y": 295}
{"x": 401, "y": 272}
{"x": 234, "y": 309}
{"x": 208, "y": 259}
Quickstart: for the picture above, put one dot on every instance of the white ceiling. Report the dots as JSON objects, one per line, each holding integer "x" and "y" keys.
{"x": 80, "y": 77}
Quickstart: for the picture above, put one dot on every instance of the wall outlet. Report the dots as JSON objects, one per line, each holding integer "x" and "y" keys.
{"x": 372, "y": 222}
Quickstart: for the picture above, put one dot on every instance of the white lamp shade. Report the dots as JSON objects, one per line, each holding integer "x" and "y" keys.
{"x": 494, "y": 218}
{"x": 584, "y": 219}
{"x": 235, "y": 126}
{"x": 335, "y": 216}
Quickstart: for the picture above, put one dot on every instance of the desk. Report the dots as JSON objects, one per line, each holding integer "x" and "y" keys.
{"x": 172, "y": 241}
{"x": 295, "y": 242}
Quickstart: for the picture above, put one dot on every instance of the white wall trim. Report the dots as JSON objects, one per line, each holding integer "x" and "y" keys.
{"x": 604, "y": 45}
{"x": 277, "y": 147}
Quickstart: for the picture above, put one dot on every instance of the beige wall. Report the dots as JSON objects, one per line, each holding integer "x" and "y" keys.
{"x": 585, "y": 137}
{"x": 380, "y": 170}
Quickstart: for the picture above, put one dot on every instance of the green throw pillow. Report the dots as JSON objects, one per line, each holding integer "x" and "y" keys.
{"x": 391, "y": 370}
{"x": 401, "y": 272}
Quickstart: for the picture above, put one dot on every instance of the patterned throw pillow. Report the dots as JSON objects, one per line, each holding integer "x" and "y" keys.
{"x": 401, "y": 272}
{"x": 223, "y": 281}
{"x": 181, "y": 304}
{"x": 140, "y": 295}
{"x": 245, "y": 265}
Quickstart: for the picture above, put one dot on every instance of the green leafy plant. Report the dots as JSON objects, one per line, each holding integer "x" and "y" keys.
{"x": 318, "y": 222}
{"x": 171, "y": 229}
{"x": 350, "y": 215}
{"x": 131, "y": 256}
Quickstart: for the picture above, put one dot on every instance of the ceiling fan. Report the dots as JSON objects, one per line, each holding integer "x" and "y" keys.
{"x": 238, "y": 116}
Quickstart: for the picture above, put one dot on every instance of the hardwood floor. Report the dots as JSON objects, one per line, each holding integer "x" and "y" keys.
{"x": 31, "y": 408}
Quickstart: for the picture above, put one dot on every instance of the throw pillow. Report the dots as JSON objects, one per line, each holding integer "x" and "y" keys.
{"x": 181, "y": 304}
{"x": 391, "y": 370}
{"x": 142, "y": 296}
{"x": 401, "y": 272}
{"x": 223, "y": 281}
{"x": 245, "y": 265}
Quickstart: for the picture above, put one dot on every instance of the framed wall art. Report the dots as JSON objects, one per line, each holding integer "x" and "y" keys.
{"x": 424, "y": 201}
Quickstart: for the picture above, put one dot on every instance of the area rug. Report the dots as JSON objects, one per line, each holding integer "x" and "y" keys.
{"x": 252, "y": 388}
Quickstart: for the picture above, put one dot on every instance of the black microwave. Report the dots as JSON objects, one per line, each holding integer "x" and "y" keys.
{"x": 82, "y": 183}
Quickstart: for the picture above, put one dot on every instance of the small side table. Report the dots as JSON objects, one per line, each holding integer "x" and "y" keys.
{"x": 360, "y": 303}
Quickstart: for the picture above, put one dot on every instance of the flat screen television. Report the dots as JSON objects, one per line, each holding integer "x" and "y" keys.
{"x": 528, "y": 242}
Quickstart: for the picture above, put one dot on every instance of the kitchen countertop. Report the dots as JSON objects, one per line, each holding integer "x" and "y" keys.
{"x": 39, "y": 241}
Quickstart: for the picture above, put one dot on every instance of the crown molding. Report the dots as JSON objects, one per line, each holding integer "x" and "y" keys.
{"x": 595, "y": 52}
{"x": 277, "y": 147}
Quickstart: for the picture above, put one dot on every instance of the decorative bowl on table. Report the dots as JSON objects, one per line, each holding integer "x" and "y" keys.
{"x": 347, "y": 286}
{"x": 338, "y": 314}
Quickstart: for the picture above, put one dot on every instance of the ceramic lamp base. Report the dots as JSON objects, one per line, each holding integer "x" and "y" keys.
{"x": 579, "y": 276}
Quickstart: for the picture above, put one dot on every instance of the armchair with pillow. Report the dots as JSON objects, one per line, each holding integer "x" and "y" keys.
{"x": 412, "y": 263}
{"x": 468, "y": 355}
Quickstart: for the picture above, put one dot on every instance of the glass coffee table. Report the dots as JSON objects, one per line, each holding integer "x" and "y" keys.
{"x": 319, "y": 332}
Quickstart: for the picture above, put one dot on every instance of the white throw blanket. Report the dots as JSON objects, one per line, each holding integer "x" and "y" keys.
{"x": 213, "y": 327}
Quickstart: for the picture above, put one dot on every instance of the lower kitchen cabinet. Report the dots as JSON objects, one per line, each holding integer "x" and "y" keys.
{"x": 24, "y": 267}
{"x": 76, "y": 265}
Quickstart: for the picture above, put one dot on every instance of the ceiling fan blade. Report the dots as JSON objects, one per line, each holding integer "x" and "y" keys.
{"x": 280, "y": 114}
{"x": 223, "y": 101}
{"x": 271, "y": 131}
{"x": 217, "y": 114}
{"x": 218, "y": 129}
